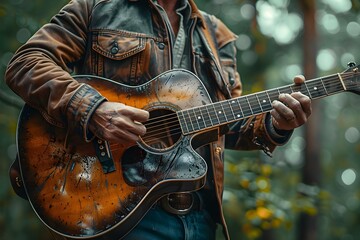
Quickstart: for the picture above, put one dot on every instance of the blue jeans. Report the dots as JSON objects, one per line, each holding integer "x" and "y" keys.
{"x": 158, "y": 224}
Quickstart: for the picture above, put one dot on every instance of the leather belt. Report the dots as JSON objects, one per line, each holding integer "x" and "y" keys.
{"x": 180, "y": 203}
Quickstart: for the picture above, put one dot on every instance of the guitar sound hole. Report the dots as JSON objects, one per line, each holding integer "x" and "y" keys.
{"x": 162, "y": 129}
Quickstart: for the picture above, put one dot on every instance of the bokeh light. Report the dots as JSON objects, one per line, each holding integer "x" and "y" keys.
{"x": 348, "y": 176}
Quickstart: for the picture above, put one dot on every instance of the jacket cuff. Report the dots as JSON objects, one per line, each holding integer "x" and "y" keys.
{"x": 80, "y": 109}
{"x": 264, "y": 137}
{"x": 279, "y": 137}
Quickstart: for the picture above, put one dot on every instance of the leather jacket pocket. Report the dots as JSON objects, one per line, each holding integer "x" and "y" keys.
{"x": 120, "y": 56}
{"x": 118, "y": 47}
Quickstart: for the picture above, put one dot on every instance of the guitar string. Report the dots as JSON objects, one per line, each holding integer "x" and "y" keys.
{"x": 308, "y": 83}
{"x": 275, "y": 89}
{"x": 258, "y": 109}
{"x": 274, "y": 94}
{"x": 177, "y": 124}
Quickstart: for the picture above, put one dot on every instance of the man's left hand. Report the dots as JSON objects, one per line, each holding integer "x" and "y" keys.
{"x": 291, "y": 110}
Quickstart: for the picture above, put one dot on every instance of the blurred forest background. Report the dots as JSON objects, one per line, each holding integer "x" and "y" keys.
{"x": 310, "y": 188}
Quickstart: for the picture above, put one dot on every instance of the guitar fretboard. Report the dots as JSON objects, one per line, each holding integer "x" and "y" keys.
{"x": 199, "y": 118}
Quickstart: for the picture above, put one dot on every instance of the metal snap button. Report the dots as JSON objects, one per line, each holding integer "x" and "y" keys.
{"x": 231, "y": 81}
{"x": 161, "y": 46}
{"x": 114, "y": 50}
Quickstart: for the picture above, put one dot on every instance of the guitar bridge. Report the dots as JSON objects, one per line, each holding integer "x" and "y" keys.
{"x": 103, "y": 153}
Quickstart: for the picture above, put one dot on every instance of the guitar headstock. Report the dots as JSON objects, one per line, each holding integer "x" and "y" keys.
{"x": 351, "y": 78}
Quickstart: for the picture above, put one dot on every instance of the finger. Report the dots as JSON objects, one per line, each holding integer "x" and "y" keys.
{"x": 304, "y": 101}
{"x": 299, "y": 104}
{"x": 135, "y": 114}
{"x": 294, "y": 106}
{"x": 126, "y": 124}
{"x": 127, "y": 136}
{"x": 281, "y": 123}
{"x": 299, "y": 79}
{"x": 115, "y": 134}
{"x": 283, "y": 111}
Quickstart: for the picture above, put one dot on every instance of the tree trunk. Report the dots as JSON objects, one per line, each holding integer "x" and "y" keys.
{"x": 308, "y": 224}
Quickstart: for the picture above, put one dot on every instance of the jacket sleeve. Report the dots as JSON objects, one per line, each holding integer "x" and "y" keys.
{"x": 255, "y": 132}
{"x": 40, "y": 71}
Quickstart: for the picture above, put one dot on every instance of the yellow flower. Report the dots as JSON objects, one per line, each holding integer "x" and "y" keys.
{"x": 276, "y": 223}
{"x": 251, "y": 232}
{"x": 266, "y": 225}
{"x": 266, "y": 170}
{"x": 232, "y": 168}
{"x": 311, "y": 210}
{"x": 251, "y": 214}
{"x": 264, "y": 213}
{"x": 245, "y": 183}
{"x": 260, "y": 202}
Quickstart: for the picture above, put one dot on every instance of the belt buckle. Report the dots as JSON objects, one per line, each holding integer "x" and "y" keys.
{"x": 166, "y": 205}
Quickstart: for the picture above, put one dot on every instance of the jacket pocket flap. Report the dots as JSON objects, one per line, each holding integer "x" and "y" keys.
{"x": 118, "y": 47}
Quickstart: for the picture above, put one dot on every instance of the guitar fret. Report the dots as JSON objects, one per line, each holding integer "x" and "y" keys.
{"x": 303, "y": 88}
{"x": 290, "y": 89}
{"x": 216, "y": 115}
{"x": 247, "y": 99}
{"x": 223, "y": 112}
{"x": 268, "y": 96}
{"x": 254, "y": 104}
{"x": 307, "y": 89}
{"x": 322, "y": 82}
{"x": 220, "y": 112}
{"x": 236, "y": 109}
{"x": 199, "y": 118}
{"x": 265, "y": 101}
{"x": 246, "y": 109}
{"x": 206, "y": 117}
{"x": 182, "y": 121}
{"x": 317, "y": 89}
{"x": 190, "y": 120}
{"x": 211, "y": 119}
{"x": 241, "y": 110}
{"x": 232, "y": 110}
{"x": 259, "y": 102}
{"x": 273, "y": 95}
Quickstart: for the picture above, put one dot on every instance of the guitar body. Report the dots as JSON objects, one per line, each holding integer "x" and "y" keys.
{"x": 65, "y": 180}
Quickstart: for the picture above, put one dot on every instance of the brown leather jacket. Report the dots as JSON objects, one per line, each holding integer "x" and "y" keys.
{"x": 126, "y": 41}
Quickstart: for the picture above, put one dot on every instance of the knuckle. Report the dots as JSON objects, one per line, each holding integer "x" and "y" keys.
{"x": 143, "y": 131}
{"x": 295, "y": 105}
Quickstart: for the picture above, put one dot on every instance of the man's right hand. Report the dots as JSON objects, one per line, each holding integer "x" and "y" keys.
{"x": 118, "y": 123}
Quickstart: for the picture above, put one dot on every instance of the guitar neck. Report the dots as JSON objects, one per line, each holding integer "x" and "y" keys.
{"x": 208, "y": 116}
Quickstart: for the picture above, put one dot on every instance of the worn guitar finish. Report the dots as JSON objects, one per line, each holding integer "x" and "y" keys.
{"x": 101, "y": 191}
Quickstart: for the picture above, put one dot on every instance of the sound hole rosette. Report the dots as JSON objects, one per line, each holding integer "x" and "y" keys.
{"x": 163, "y": 129}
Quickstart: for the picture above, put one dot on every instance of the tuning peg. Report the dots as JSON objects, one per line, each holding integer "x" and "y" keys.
{"x": 351, "y": 64}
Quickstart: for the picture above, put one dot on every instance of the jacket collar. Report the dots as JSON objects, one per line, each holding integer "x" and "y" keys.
{"x": 195, "y": 12}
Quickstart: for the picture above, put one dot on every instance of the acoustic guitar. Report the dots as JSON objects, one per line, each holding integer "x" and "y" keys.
{"x": 97, "y": 190}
